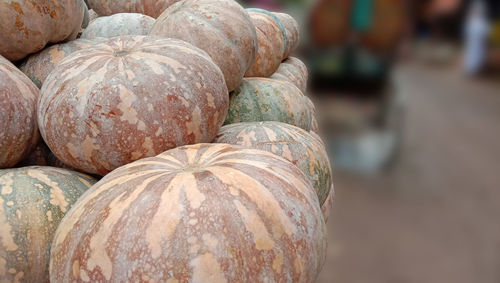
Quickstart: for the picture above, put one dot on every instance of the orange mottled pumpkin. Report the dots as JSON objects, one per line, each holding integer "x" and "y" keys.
{"x": 129, "y": 98}
{"x": 199, "y": 213}
{"x": 152, "y": 8}
{"x": 18, "y": 126}
{"x": 294, "y": 71}
{"x": 27, "y": 26}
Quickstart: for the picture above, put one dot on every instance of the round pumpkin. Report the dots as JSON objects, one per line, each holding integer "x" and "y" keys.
{"x": 33, "y": 201}
{"x": 152, "y": 8}
{"x": 199, "y": 213}
{"x": 261, "y": 99}
{"x": 27, "y": 26}
{"x": 18, "y": 126}
{"x": 294, "y": 71}
{"x": 290, "y": 142}
{"x": 271, "y": 37}
{"x": 129, "y": 98}
{"x": 38, "y": 66}
{"x": 220, "y": 27}
{"x": 292, "y": 32}
{"x": 119, "y": 24}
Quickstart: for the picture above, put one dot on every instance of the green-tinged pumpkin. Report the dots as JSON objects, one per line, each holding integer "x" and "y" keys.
{"x": 38, "y": 66}
{"x": 292, "y": 32}
{"x": 290, "y": 142}
{"x": 294, "y": 71}
{"x": 262, "y": 99}
{"x": 18, "y": 126}
{"x": 27, "y": 26}
{"x": 152, "y": 8}
{"x": 33, "y": 200}
{"x": 199, "y": 213}
{"x": 271, "y": 37}
{"x": 128, "y": 98}
{"x": 119, "y": 24}
{"x": 222, "y": 28}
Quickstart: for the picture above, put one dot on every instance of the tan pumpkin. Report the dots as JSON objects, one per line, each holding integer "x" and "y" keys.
{"x": 199, "y": 213}
{"x": 292, "y": 33}
{"x": 222, "y": 28}
{"x": 18, "y": 126}
{"x": 152, "y": 8}
{"x": 27, "y": 26}
{"x": 294, "y": 71}
{"x": 38, "y": 66}
{"x": 129, "y": 98}
{"x": 118, "y": 24}
{"x": 271, "y": 38}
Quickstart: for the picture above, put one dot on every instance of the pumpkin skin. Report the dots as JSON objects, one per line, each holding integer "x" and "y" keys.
{"x": 271, "y": 38}
{"x": 129, "y": 98}
{"x": 92, "y": 15}
{"x": 262, "y": 99}
{"x": 152, "y": 8}
{"x": 327, "y": 206}
{"x": 119, "y": 24}
{"x": 27, "y": 26}
{"x": 18, "y": 123}
{"x": 222, "y": 28}
{"x": 292, "y": 33}
{"x": 32, "y": 203}
{"x": 199, "y": 213}
{"x": 290, "y": 142}
{"x": 294, "y": 71}
{"x": 38, "y": 66}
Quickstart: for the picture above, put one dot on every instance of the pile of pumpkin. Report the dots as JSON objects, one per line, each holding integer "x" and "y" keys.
{"x": 192, "y": 111}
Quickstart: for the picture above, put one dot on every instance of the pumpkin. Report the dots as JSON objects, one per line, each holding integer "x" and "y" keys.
{"x": 294, "y": 71}
{"x": 38, "y": 66}
{"x": 18, "y": 126}
{"x": 271, "y": 38}
{"x": 152, "y": 8}
{"x": 222, "y": 28}
{"x": 292, "y": 32}
{"x": 199, "y": 213}
{"x": 290, "y": 142}
{"x": 32, "y": 203}
{"x": 129, "y": 98}
{"x": 262, "y": 99}
{"x": 27, "y": 26}
{"x": 92, "y": 15}
{"x": 119, "y": 24}
{"x": 327, "y": 206}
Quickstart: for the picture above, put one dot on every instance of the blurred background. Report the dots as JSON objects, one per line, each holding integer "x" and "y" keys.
{"x": 408, "y": 94}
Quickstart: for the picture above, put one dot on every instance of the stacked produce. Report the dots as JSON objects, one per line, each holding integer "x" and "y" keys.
{"x": 140, "y": 99}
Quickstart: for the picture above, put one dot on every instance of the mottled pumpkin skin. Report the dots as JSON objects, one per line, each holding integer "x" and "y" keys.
{"x": 271, "y": 42}
{"x": 27, "y": 26}
{"x": 38, "y": 66}
{"x": 292, "y": 32}
{"x": 290, "y": 142}
{"x": 199, "y": 213}
{"x": 18, "y": 123}
{"x": 119, "y": 24}
{"x": 33, "y": 200}
{"x": 262, "y": 99}
{"x": 92, "y": 15}
{"x": 152, "y": 8}
{"x": 129, "y": 98}
{"x": 327, "y": 206}
{"x": 222, "y": 28}
{"x": 294, "y": 71}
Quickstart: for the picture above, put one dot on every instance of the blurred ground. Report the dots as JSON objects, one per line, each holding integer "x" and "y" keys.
{"x": 435, "y": 217}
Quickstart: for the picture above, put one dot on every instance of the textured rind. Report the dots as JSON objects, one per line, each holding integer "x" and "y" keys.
{"x": 129, "y": 98}
{"x": 292, "y": 33}
{"x": 152, "y": 8}
{"x": 18, "y": 123}
{"x": 200, "y": 213}
{"x": 327, "y": 206}
{"x": 92, "y": 15}
{"x": 271, "y": 44}
{"x": 33, "y": 200}
{"x": 27, "y": 26}
{"x": 290, "y": 142}
{"x": 38, "y": 66}
{"x": 119, "y": 24}
{"x": 262, "y": 99}
{"x": 222, "y": 28}
{"x": 293, "y": 70}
